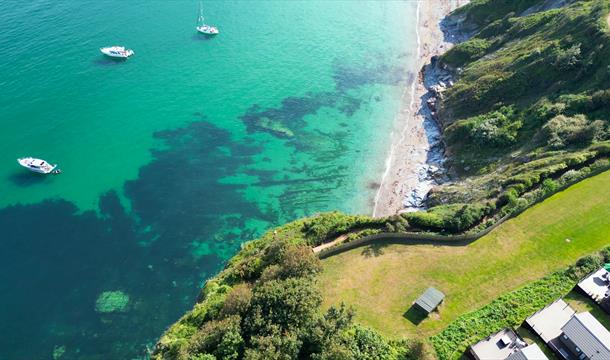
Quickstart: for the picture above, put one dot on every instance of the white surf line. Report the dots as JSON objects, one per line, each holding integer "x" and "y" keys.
{"x": 388, "y": 163}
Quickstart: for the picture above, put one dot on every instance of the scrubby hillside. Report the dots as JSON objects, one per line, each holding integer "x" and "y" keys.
{"x": 536, "y": 82}
{"x": 530, "y": 107}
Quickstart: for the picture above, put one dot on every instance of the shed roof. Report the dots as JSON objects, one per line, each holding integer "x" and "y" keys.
{"x": 589, "y": 335}
{"x": 430, "y": 299}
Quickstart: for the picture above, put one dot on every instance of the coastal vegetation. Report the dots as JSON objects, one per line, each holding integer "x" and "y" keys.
{"x": 266, "y": 305}
{"x": 526, "y": 129}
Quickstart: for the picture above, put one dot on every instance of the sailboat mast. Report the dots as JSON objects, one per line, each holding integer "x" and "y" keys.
{"x": 200, "y": 17}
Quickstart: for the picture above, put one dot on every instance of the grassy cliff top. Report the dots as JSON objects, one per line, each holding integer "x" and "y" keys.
{"x": 382, "y": 280}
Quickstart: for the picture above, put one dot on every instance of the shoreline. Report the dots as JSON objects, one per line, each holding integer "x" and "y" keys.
{"x": 416, "y": 155}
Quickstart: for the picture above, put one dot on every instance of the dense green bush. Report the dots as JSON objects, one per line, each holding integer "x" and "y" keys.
{"x": 509, "y": 310}
{"x": 286, "y": 304}
{"x": 364, "y": 233}
{"x": 526, "y": 180}
{"x": 493, "y": 129}
{"x": 587, "y": 102}
{"x": 237, "y": 300}
{"x": 220, "y": 338}
{"x": 508, "y": 197}
{"x": 601, "y": 148}
{"x": 326, "y": 225}
{"x": 466, "y": 52}
{"x": 546, "y": 110}
{"x": 562, "y": 130}
{"x": 452, "y": 218}
{"x": 568, "y": 59}
{"x": 369, "y": 345}
{"x": 498, "y": 128}
{"x": 549, "y": 186}
{"x": 483, "y": 12}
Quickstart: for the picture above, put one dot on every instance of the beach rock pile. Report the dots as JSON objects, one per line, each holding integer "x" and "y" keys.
{"x": 437, "y": 78}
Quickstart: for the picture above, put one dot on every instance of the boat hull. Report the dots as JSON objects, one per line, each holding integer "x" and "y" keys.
{"x": 207, "y": 30}
{"x": 37, "y": 165}
{"x": 117, "y": 52}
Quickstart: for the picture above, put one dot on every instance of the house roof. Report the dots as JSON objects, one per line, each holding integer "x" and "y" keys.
{"x": 430, "y": 299}
{"x": 547, "y": 323}
{"x": 530, "y": 352}
{"x": 589, "y": 335}
{"x": 494, "y": 347}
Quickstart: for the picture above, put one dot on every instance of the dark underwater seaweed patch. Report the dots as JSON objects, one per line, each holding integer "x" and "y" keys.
{"x": 56, "y": 261}
{"x": 289, "y": 118}
{"x": 184, "y": 182}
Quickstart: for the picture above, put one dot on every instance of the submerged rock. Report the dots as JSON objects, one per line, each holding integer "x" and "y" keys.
{"x": 58, "y": 351}
{"x": 112, "y": 301}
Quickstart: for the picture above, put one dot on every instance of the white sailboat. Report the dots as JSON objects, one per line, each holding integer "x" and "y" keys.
{"x": 202, "y": 27}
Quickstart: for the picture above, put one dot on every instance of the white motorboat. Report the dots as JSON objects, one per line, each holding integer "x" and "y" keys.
{"x": 202, "y": 27}
{"x": 38, "y": 165}
{"x": 117, "y": 52}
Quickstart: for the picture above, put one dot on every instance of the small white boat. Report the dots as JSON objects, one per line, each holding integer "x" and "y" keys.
{"x": 117, "y": 52}
{"x": 207, "y": 29}
{"x": 38, "y": 165}
{"x": 202, "y": 27}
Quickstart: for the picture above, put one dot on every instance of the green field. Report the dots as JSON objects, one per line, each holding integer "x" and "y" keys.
{"x": 381, "y": 281}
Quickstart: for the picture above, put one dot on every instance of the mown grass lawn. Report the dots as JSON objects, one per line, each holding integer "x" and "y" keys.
{"x": 381, "y": 281}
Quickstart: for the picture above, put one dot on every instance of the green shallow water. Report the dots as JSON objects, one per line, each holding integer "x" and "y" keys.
{"x": 173, "y": 158}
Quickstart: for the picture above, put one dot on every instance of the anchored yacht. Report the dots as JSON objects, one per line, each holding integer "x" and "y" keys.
{"x": 207, "y": 29}
{"x": 38, "y": 165}
{"x": 202, "y": 27}
{"x": 117, "y": 52}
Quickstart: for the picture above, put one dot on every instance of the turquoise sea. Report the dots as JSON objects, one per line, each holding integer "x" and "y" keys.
{"x": 173, "y": 158}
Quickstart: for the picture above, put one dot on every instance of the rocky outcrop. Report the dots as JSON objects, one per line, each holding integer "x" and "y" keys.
{"x": 437, "y": 77}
